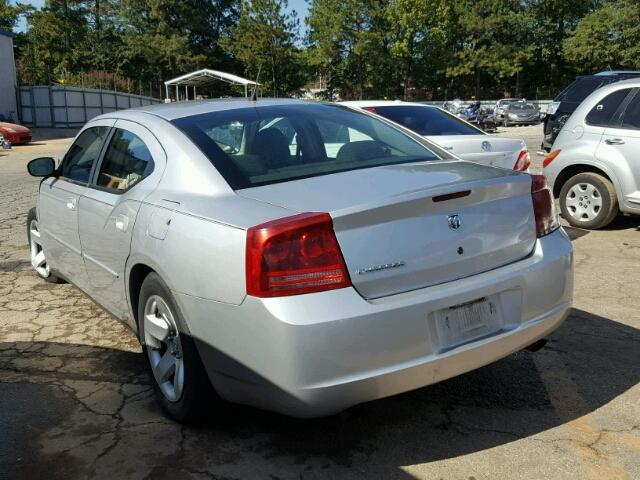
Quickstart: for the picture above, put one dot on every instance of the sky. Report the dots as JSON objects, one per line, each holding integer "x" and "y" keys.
{"x": 300, "y": 6}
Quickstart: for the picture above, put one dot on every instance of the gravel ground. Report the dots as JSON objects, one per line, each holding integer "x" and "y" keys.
{"x": 77, "y": 404}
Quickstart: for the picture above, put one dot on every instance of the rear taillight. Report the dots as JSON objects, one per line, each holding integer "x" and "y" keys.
{"x": 550, "y": 157}
{"x": 370, "y": 109}
{"x": 544, "y": 207}
{"x": 294, "y": 255}
{"x": 523, "y": 162}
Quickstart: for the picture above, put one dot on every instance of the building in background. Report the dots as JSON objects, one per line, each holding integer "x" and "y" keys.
{"x": 8, "y": 106}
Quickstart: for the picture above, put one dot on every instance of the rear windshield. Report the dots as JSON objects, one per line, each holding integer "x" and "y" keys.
{"x": 580, "y": 89}
{"x": 426, "y": 121}
{"x": 270, "y": 144}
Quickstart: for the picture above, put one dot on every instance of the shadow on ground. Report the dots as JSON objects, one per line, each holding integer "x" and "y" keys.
{"x": 489, "y": 407}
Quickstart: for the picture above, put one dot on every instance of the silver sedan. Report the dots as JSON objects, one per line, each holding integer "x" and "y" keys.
{"x": 298, "y": 257}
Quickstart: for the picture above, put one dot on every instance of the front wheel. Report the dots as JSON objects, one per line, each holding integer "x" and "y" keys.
{"x": 36, "y": 253}
{"x": 179, "y": 380}
{"x": 588, "y": 200}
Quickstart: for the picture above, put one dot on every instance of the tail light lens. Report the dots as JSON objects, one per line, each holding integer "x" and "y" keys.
{"x": 523, "y": 162}
{"x": 370, "y": 109}
{"x": 544, "y": 207}
{"x": 550, "y": 157}
{"x": 294, "y": 255}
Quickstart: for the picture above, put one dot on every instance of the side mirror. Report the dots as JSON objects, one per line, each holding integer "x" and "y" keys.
{"x": 41, "y": 167}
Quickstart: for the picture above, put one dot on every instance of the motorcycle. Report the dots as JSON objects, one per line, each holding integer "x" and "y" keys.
{"x": 479, "y": 117}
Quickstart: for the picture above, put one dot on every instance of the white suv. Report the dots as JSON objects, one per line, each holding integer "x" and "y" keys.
{"x": 594, "y": 165}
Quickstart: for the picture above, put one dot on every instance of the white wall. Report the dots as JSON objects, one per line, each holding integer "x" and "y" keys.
{"x": 8, "y": 106}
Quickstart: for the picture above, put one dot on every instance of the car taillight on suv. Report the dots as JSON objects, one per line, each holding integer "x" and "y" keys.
{"x": 294, "y": 255}
{"x": 544, "y": 207}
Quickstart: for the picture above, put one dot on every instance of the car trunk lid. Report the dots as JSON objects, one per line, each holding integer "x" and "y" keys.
{"x": 484, "y": 149}
{"x": 405, "y": 227}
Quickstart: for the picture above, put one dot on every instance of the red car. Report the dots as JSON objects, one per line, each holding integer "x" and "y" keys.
{"x": 15, "y": 134}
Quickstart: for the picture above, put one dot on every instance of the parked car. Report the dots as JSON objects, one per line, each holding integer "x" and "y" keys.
{"x": 520, "y": 113}
{"x": 14, "y": 133}
{"x": 498, "y": 110}
{"x": 452, "y": 133}
{"x": 594, "y": 167}
{"x": 300, "y": 282}
{"x": 559, "y": 111}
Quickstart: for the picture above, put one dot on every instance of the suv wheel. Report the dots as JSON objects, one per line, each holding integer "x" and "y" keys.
{"x": 179, "y": 380}
{"x": 588, "y": 200}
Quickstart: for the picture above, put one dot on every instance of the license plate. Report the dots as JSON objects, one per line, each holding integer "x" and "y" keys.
{"x": 465, "y": 322}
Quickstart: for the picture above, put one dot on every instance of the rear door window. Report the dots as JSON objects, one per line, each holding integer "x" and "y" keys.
{"x": 80, "y": 158}
{"x": 631, "y": 117}
{"x": 603, "y": 114}
{"x": 126, "y": 162}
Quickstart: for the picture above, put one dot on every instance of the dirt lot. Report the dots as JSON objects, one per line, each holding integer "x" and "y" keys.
{"x": 76, "y": 402}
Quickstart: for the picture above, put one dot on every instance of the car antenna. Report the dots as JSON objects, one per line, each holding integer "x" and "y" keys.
{"x": 254, "y": 97}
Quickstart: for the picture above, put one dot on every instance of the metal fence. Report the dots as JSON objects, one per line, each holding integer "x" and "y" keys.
{"x": 48, "y": 106}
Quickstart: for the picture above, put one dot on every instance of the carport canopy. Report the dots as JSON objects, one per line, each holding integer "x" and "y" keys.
{"x": 204, "y": 77}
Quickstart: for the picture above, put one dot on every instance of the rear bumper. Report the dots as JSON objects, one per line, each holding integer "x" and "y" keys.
{"x": 314, "y": 355}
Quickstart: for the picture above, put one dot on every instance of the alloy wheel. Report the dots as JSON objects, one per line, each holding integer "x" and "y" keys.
{"x": 164, "y": 348}
{"x": 38, "y": 260}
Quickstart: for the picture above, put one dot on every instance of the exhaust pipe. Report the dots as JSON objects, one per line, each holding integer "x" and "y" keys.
{"x": 535, "y": 346}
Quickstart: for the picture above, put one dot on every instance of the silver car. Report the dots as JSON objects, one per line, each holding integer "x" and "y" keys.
{"x": 452, "y": 133}
{"x": 594, "y": 165}
{"x": 298, "y": 257}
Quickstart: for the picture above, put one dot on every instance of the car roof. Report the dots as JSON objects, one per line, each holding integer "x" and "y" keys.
{"x": 607, "y": 73}
{"x": 382, "y": 103}
{"x": 175, "y": 110}
{"x": 626, "y": 83}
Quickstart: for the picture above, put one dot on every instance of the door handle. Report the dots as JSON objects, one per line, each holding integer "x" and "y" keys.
{"x": 71, "y": 203}
{"x": 614, "y": 141}
{"x": 122, "y": 222}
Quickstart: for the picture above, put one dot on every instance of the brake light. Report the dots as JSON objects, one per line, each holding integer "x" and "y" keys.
{"x": 370, "y": 109}
{"x": 523, "y": 162}
{"x": 544, "y": 207}
{"x": 550, "y": 157}
{"x": 294, "y": 255}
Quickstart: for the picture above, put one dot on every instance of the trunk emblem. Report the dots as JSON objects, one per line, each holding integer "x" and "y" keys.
{"x": 454, "y": 221}
{"x": 486, "y": 146}
{"x": 378, "y": 268}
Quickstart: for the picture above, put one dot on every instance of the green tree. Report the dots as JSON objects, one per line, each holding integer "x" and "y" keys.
{"x": 9, "y": 14}
{"x": 264, "y": 40}
{"x": 608, "y": 38}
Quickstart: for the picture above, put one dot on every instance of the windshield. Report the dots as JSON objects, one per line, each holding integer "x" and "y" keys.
{"x": 270, "y": 144}
{"x": 427, "y": 121}
{"x": 521, "y": 106}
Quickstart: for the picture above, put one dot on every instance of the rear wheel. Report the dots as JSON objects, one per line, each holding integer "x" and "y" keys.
{"x": 179, "y": 380}
{"x": 588, "y": 200}
{"x": 36, "y": 252}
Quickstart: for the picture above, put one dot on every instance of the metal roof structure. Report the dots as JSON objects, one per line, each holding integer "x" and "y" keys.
{"x": 203, "y": 77}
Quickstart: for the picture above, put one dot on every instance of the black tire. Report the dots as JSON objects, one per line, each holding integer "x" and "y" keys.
{"x": 51, "y": 278}
{"x": 608, "y": 210}
{"x": 197, "y": 394}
